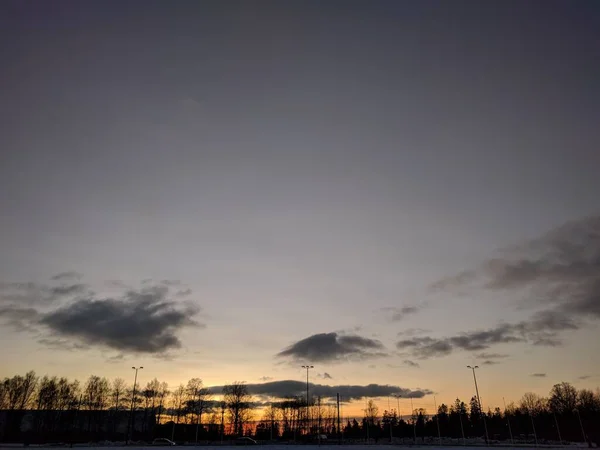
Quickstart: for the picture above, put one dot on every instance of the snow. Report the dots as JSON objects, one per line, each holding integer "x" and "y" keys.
{"x": 330, "y": 446}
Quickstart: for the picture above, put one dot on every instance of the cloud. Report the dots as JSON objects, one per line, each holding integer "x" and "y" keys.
{"x": 69, "y": 275}
{"x": 62, "y": 344}
{"x": 18, "y": 318}
{"x": 491, "y": 355}
{"x": 68, "y": 290}
{"x": 139, "y": 321}
{"x": 325, "y": 376}
{"x": 293, "y": 388}
{"x": 36, "y": 294}
{"x": 489, "y": 362}
{"x": 584, "y": 377}
{"x": 559, "y": 272}
{"x": 329, "y": 347}
{"x": 538, "y": 375}
{"x": 265, "y": 378}
{"x": 398, "y": 314}
{"x": 409, "y": 363}
{"x": 541, "y": 329}
{"x": 142, "y": 321}
{"x": 410, "y": 332}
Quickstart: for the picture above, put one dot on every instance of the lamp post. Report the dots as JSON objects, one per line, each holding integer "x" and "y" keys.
{"x": 390, "y": 423}
{"x": 581, "y": 425}
{"x": 222, "y": 421}
{"x": 307, "y": 367}
{"x": 512, "y": 442}
{"x": 479, "y": 402}
{"x": 414, "y": 418}
{"x": 131, "y": 424}
{"x": 437, "y": 419}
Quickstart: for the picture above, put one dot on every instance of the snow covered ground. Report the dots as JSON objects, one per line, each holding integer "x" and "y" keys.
{"x": 329, "y": 446}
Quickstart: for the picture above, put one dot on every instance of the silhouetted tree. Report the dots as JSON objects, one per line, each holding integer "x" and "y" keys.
{"x": 563, "y": 398}
{"x": 237, "y": 401}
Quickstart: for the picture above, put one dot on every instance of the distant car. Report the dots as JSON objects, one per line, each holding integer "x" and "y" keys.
{"x": 245, "y": 441}
{"x": 163, "y": 441}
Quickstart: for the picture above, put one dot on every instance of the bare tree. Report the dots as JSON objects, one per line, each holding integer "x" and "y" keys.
{"x": 197, "y": 401}
{"x": 96, "y": 393}
{"x": 237, "y": 401}
{"x": 20, "y": 390}
{"x": 563, "y": 398}
{"x": 532, "y": 403}
{"x": 163, "y": 393}
{"x": 68, "y": 394}
{"x": 117, "y": 393}
{"x": 178, "y": 401}
{"x": 4, "y": 394}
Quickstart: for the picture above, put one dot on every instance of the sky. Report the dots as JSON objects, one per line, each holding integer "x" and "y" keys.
{"x": 387, "y": 190}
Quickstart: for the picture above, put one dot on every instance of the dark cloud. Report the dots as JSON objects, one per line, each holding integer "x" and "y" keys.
{"x": 398, "y": 314}
{"x": 332, "y": 347}
{"x": 538, "y": 375}
{"x": 491, "y": 355}
{"x": 116, "y": 359}
{"x": 325, "y": 376}
{"x": 68, "y": 290}
{"x": 69, "y": 275}
{"x": 37, "y": 294}
{"x": 560, "y": 271}
{"x": 143, "y": 321}
{"x": 409, "y": 363}
{"x": 292, "y": 388}
{"x": 265, "y": 378}
{"x": 489, "y": 362}
{"x": 542, "y": 329}
{"x": 24, "y": 294}
{"x": 18, "y": 318}
{"x": 584, "y": 377}
{"x": 456, "y": 281}
{"x": 184, "y": 293}
{"x": 62, "y": 344}
{"x": 425, "y": 347}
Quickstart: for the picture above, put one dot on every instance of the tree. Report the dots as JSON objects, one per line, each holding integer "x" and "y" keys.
{"x": 563, "y": 398}
{"x": 197, "y": 400}
{"x": 19, "y": 391}
{"x": 371, "y": 412}
{"x": 237, "y": 401}
{"x": 474, "y": 409}
{"x": 587, "y": 402}
{"x": 68, "y": 394}
{"x": 117, "y": 393}
{"x": 163, "y": 393}
{"x": 96, "y": 393}
{"x": 532, "y": 404}
{"x": 177, "y": 401}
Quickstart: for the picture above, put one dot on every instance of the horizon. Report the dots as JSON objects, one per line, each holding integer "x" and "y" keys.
{"x": 388, "y": 191}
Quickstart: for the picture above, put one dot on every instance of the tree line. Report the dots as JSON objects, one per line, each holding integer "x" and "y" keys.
{"x": 47, "y": 409}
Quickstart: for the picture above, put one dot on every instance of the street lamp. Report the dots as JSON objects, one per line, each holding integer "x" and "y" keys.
{"x": 581, "y": 425}
{"x": 307, "y": 367}
{"x": 479, "y": 402}
{"x": 130, "y": 424}
{"x": 414, "y": 418}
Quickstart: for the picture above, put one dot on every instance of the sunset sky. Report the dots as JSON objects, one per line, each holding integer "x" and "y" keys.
{"x": 388, "y": 190}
